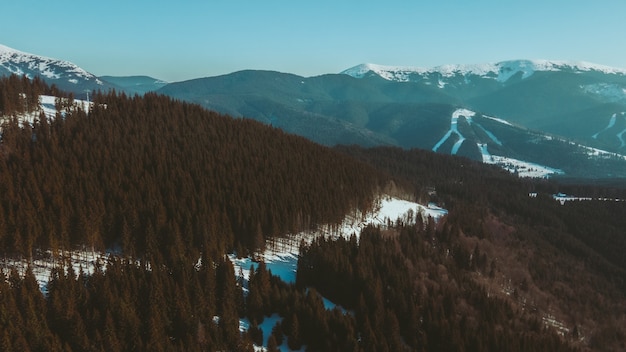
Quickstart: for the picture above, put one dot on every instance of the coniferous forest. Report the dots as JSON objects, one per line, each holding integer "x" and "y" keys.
{"x": 162, "y": 183}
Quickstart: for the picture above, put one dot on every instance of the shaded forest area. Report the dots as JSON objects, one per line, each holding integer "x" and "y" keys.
{"x": 151, "y": 175}
{"x": 166, "y": 183}
{"x": 564, "y": 260}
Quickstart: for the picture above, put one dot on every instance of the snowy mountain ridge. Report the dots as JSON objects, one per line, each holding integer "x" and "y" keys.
{"x": 501, "y": 71}
{"x": 20, "y": 63}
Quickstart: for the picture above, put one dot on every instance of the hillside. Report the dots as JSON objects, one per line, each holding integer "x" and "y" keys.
{"x": 63, "y": 74}
{"x": 135, "y": 84}
{"x": 563, "y": 118}
{"x": 547, "y": 110}
{"x": 168, "y": 151}
{"x": 172, "y": 192}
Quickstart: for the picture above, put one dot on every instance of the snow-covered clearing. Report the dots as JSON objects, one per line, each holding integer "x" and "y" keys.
{"x": 47, "y": 105}
{"x": 519, "y": 167}
{"x": 43, "y": 264}
{"x": 281, "y": 255}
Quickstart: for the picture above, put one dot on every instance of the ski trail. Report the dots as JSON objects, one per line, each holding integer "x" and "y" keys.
{"x": 457, "y": 145}
{"x": 489, "y": 134}
{"x": 611, "y": 124}
{"x": 620, "y": 136}
{"x": 454, "y": 128}
{"x": 442, "y": 140}
{"x": 487, "y": 158}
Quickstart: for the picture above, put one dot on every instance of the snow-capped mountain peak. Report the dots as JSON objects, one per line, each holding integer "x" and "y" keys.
{"x": 501, "y": 71}
{"x": 5, "y": 49}
{"x": 64, "y": 74}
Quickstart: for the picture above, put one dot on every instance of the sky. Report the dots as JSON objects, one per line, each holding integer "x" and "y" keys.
{"x": 186, "y": 39}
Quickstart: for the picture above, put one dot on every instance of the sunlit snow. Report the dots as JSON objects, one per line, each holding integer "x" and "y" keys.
{"x": 519, "y": 167}
{"x": 10, "y": 57}
{"x": 501, "y": 71}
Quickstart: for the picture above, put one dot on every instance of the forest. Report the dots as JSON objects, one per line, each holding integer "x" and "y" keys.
{"x": 163, "y": 183}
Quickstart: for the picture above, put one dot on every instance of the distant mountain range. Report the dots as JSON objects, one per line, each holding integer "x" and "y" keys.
{"x": 564, "y": 118}
{"x": 135, "y": 84}
{"x": 68, "y": 76}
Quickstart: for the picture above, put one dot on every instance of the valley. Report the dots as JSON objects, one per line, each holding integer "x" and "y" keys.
{"x": 423, "y": 218}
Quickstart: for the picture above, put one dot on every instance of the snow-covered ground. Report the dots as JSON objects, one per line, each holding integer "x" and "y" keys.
{"x": 281, "y": 256}
{"x": 520, "y": 167}
{"x": 501, "y": 71}
{"x": 562, "y": 198}
{"x": 42, "y": 264}
{"x": 16, "y": 62}
{"x": 47, "y": 105}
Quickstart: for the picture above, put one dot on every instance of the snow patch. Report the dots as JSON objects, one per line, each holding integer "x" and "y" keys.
{"x": 43, "y": 264}
{"x": 609, "y": 91}
{"x": 505, "y": 122}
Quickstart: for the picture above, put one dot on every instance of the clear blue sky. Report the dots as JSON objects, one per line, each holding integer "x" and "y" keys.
{"x": 184, "y": 39}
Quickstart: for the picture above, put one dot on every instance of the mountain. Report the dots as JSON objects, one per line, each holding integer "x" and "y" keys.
{"x": 164, "y": 194}
{"x": 565, "y": 118}
{"x": 135, "y": 84}
{"x": 64, "y": 74}
{"x": 569, "y": 99}
{"x": 501, "y": 71}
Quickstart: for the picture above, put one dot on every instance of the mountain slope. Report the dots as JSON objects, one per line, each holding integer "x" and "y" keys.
{"x": 135, "y": 84}
{"x": 169, "y": 188}
{"x": 64, "y": 74}
{"x": 374, "y": 105}
{"x": 561, "y": 115}
{"x": 538, "y": 94}
{"x": 501, "y": 71}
